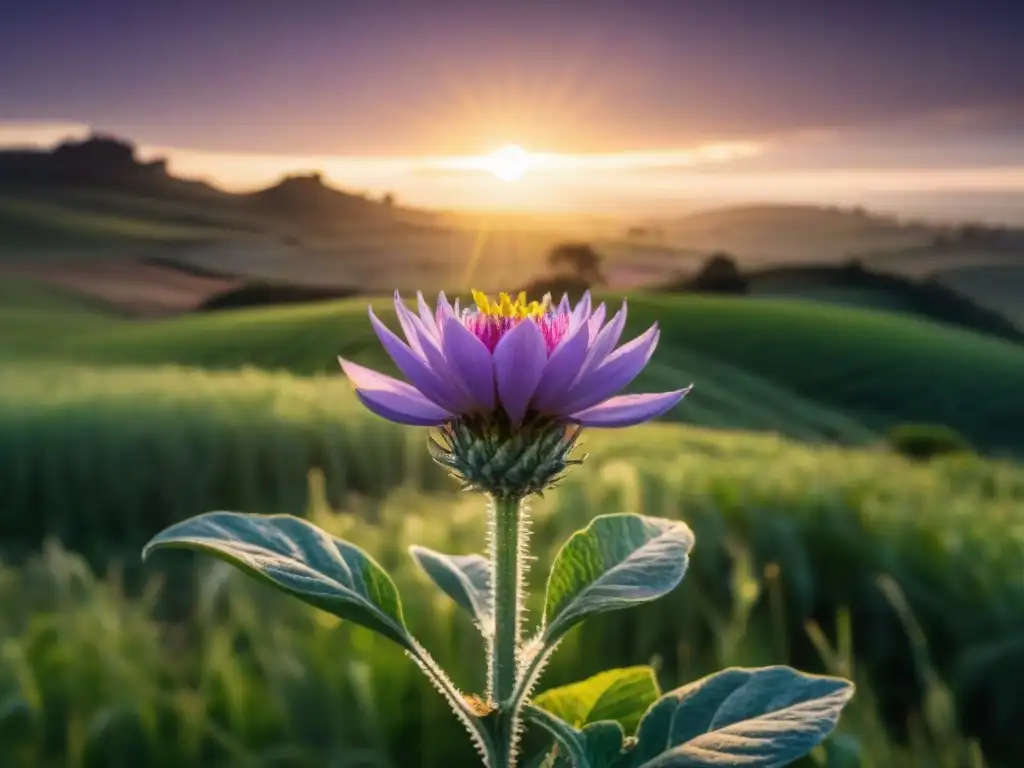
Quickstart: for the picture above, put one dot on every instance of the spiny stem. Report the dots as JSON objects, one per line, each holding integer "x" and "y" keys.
{"x": 509, "y": 532}
{"x": 506, "y": 574}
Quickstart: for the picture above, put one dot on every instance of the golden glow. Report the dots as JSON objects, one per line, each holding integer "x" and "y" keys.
{"x": 505, "y": 307}
{"x": 510, "y": 163}
{"x": 649, "y": 179}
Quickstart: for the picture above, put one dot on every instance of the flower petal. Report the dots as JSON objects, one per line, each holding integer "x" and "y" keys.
{"x": 469, "y": 361}
{"x": 367, "y": 378}
{"x": 519, "y": 360}
{"x": 403, "y": 409}
{"x": 434, "y": 356}
{"x": 428, "y": 338}
{"x": 596, "y": 319}
{"x": 420, "y": 374}
{"x": 561, "y": 370}
{"x": 429, "y": 318}
{"x": 627, "y": 410}
{"x": 605, "y": 341}
{"x": 444, "y": 310}
{"x": 406, "y": 320}
{"x": 564, "y": 307}
{"x": 581, "y": 312}
{"x": 392, "y": 399}
{"x": 618, "y": 370}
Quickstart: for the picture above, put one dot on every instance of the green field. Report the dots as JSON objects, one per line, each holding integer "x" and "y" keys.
{"x": 811, "y": 536}
{"x": 30, "y": 223}
{"x": 112, "y": 428}
{"x": 804, "y": 369}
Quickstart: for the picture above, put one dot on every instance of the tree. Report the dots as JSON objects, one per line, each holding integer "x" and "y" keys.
{"x": 720, "y": 274}
{"x": 578, "y": 260}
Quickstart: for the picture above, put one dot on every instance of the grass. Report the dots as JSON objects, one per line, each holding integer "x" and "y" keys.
{"x": 106, "y": 441}
{"x": 90, "y": 678}
{"x": 867, "y": 298}
{"x": 809, "y": 370}
{"x": 32, "y": 316}
{"x": 304, "y": 340}
{"x": 875, "y": 367}
{"x": 29, "y": 223}
{"x": 102, "y": 457}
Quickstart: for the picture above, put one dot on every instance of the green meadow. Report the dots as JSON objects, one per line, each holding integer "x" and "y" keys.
{"x": 816, "y": 544}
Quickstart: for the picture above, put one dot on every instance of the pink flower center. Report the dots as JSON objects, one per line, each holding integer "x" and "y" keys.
{"x": 490, "y": 328}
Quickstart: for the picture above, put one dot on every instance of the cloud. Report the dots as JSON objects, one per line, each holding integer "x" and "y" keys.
{"x": 40, "y": 135}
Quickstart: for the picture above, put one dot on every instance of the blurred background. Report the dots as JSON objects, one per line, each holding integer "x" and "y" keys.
{"x": 821, "y": 204}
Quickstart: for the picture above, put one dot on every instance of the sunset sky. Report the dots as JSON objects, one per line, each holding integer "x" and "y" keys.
{"x": 635, "y": 105}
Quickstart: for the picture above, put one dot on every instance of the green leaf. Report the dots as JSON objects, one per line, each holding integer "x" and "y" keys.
{"x": 466, "y": 579}
{"x": 602, "y": 743}
{"x": 569, "y": 739}
{"x": 622, "y": 695}
{"x": 299, "y": 559}
{"x": 598, "y": 745}
{"x": 615, "y": 562}
{"x": 757, "y": 718}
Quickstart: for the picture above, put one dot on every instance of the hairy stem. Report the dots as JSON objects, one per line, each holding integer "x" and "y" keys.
{"x": 509, "y": 533}
{"x": 506, "y": 568}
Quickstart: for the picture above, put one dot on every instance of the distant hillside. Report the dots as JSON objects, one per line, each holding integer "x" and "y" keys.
{"x": 98, "y": 161}
{"x": 854, "y": 285}
{"x": 103, "y": 174}
{"x": 793, "y": 233}
{"x": 305, "y": 199}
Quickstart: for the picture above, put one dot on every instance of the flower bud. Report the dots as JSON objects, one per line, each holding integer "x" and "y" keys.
{"x": 489, "y": 454}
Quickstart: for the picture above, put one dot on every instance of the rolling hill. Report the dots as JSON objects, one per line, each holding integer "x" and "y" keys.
{"x": 971, "y": 305}
{"x": 782, "y": 234}
{"x": 999, "y": 286}
{"x": 811, "y": 371}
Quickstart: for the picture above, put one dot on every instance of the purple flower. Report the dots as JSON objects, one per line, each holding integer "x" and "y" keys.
{"x": 527, "y": 360}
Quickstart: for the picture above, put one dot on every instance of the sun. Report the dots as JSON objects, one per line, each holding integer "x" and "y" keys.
{"x": 509, "y": 163}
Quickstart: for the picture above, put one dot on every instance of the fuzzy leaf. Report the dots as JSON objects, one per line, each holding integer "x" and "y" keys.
{"x": 602, "y": 744}
{"x": 299, "y": 559}
{"x": 757, "y": 718}
{"x": 598, "y": 745}
{"x": 615, "y": 562}
{"x": 622, "y": 695}
{"x": 466, "y": 579}
{"x": 570, "y": 741}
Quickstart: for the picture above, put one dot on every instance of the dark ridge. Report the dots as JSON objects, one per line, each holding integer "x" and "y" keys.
{"x": 189, "y": 269}
{"x": 926, "y": 298}
{"x": 266, "y": 294}
{"x": 99, "y": 161}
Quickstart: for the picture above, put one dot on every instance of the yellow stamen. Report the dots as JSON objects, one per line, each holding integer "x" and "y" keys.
{"x": 506, "y": 307}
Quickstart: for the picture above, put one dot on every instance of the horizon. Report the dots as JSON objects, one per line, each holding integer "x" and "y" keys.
{"x": 601, "y": 109}
{"x": 476, "y": 183}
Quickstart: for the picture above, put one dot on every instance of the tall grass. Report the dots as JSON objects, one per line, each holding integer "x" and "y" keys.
{"x": 89, "y": 678}
{"x": 105, "y": 472}
{"x": 105, "y": 458}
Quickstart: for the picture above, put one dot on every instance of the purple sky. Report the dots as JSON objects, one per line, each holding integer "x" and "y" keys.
{"x": 362, "y": 77}
{"x": 874, "y": 102}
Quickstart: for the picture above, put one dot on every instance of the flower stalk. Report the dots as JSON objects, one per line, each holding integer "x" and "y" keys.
{"x": 507, "y": 577}
{"x": 508, "y": 572}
